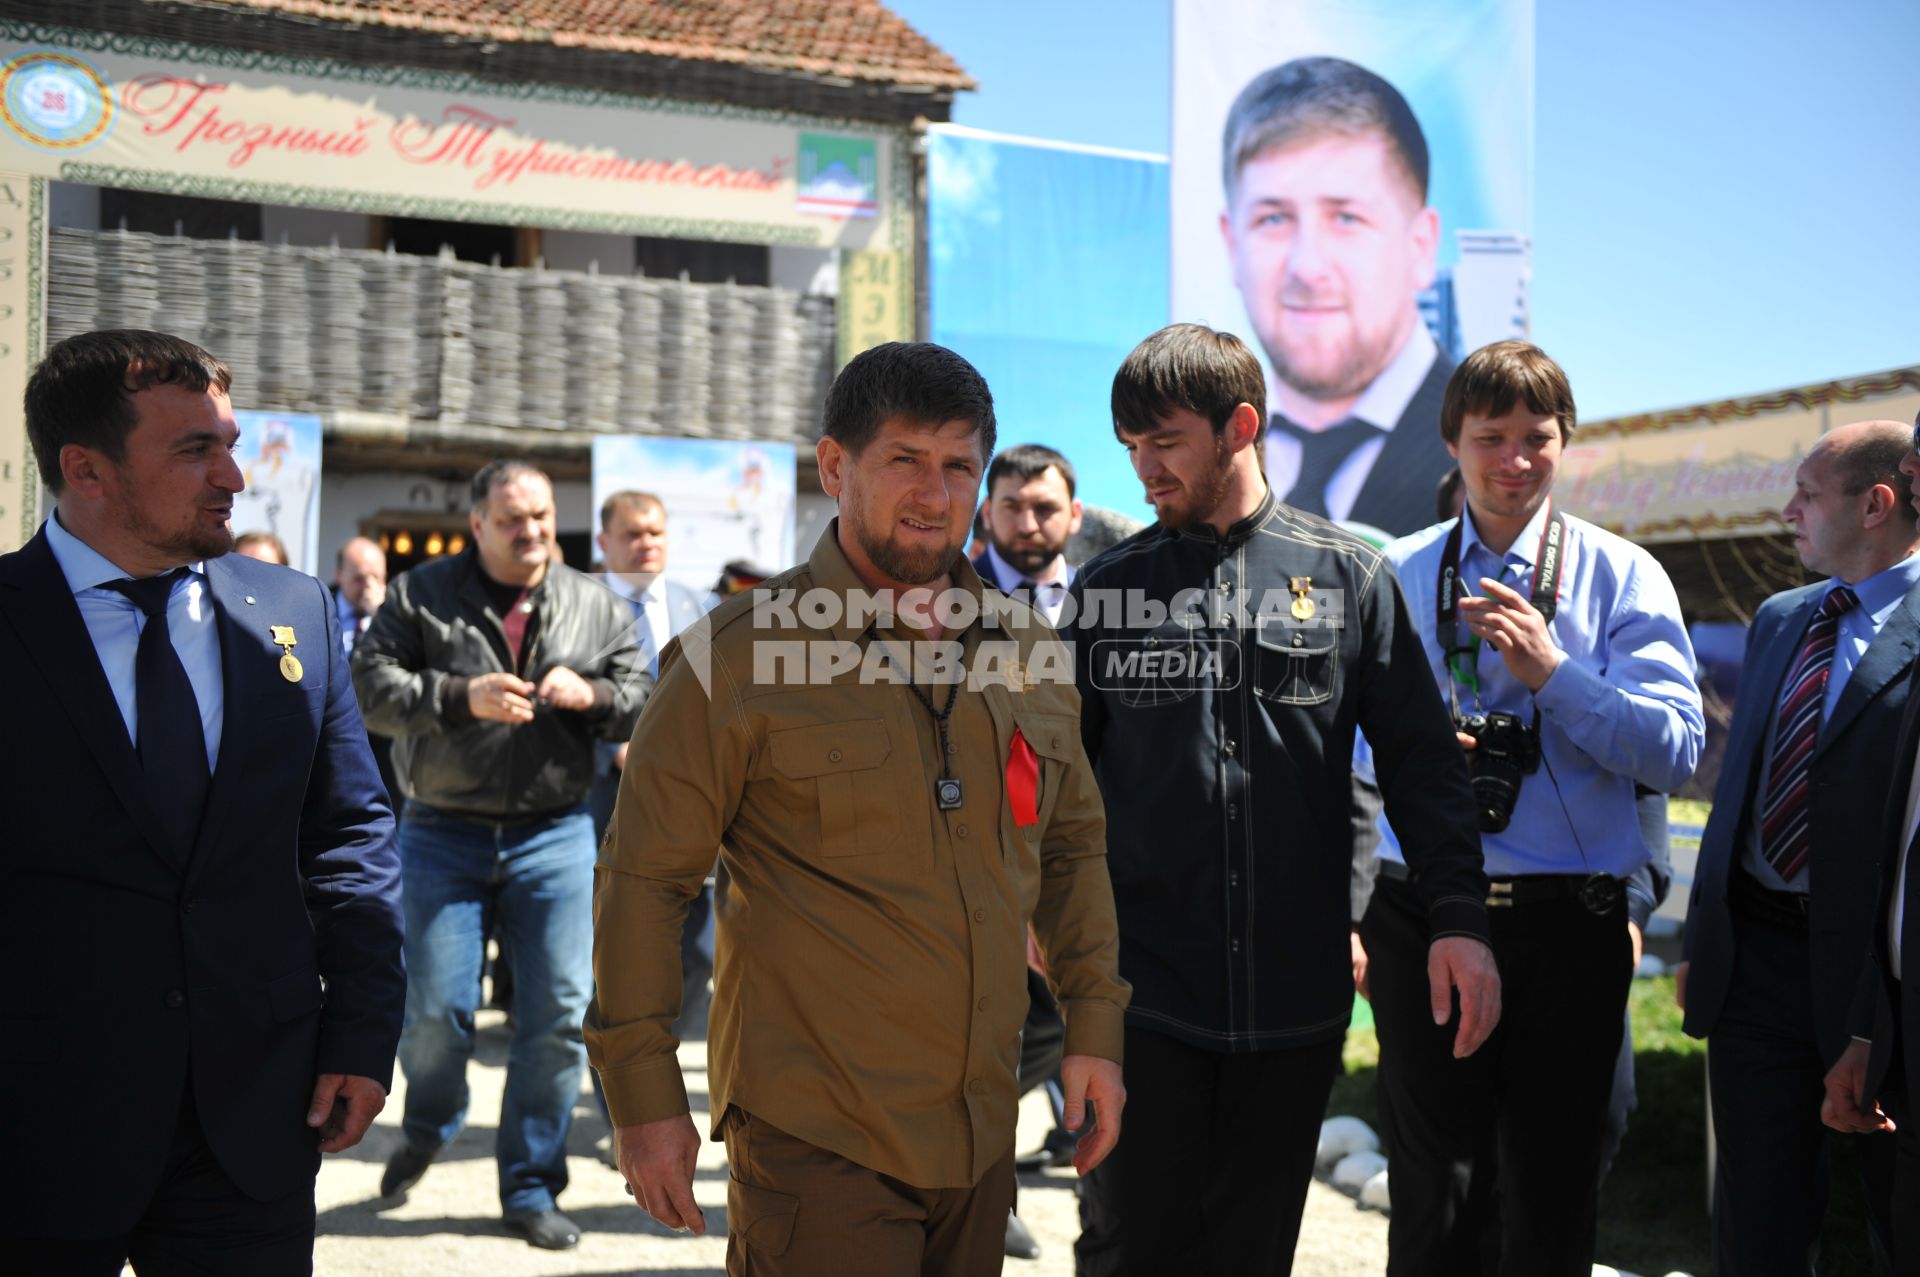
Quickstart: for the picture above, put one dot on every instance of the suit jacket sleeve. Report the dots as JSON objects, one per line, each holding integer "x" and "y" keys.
{"x": 1418, "y": 763}
{"x": 350, "y": 873}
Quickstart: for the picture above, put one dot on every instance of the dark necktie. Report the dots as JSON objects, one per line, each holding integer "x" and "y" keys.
{"x": 1785, "y": 833}
{"x": 1321, "y": 455}
{"x": 171, "y": 745}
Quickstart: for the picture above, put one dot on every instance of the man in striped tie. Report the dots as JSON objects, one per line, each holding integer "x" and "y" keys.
{"x": 1783, "y": 893}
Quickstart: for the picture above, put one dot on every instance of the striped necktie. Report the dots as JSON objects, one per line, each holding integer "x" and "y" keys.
{"x": 1785, "y": 833}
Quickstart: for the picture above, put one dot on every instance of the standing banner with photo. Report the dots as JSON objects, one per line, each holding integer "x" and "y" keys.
{"x": 725, "y": 500}
{"x": 279, "y": 457}
{"x": 1351, "y": 193}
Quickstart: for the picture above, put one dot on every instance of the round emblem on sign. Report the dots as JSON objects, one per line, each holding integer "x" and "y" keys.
{"x": 55, "y": 100}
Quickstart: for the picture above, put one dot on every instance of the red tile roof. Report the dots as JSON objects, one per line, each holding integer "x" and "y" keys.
{"x": 856, "y": 39}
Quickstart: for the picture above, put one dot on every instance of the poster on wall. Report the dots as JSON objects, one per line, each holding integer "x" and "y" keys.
{"x": 279, "y": 457}
{"x": 1351, "y": 193}
{"x": 725, "y": 500}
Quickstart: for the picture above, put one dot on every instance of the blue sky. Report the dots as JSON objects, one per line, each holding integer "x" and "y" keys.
{"x": 1726, "y": 194}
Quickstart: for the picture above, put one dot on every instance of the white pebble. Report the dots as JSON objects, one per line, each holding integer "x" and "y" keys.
{"x": 1355, "y": 1169}
{"x": 1340, "y": 1136}
{"x": 1373, "y": 1194}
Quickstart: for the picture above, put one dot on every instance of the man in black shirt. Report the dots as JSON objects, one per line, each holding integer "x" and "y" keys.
{"x": 1225, "y": 657}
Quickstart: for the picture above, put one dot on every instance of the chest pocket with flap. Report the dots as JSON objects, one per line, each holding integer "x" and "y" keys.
{"x": 844, "y": 762}
{"x": 1053, "y": 737}
{"x": 1297, "y": 665}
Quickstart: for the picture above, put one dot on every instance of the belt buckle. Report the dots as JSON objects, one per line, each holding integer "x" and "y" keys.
{"x": 1499, "y": 895}
{"x": 1600, "y": 893}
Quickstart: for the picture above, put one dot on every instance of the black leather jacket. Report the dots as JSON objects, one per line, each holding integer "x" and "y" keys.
{"x": 437, "y": 630}
{"x": 1228, "y": 790}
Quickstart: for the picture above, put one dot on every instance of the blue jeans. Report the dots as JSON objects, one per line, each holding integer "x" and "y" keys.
{"x": 457, "y": 876}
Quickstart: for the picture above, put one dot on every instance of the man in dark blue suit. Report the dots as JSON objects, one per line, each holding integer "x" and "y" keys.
{"x": 200, "y": 966}
{"x": 1778, "y": 924}
{"x": 1873, "y": 1085}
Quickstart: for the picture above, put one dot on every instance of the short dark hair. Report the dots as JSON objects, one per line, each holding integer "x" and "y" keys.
{"x": 495, "y": 473}
{"x": 629, "y": 500}
{"x": 1190, "y": 367}
{"x": 1315, "y": 96}
{"x": 82, "y": 392}
{"x": 1494, "y": 379}
{"x": 1026, "y": 462}
{"x": 1875, "y": 459}
{"x": 917, "y": 380}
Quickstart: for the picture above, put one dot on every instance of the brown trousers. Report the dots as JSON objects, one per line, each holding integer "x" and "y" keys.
{"x": 796, "y": 1210}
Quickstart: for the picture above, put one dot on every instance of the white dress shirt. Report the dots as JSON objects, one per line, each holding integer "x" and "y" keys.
{"x": 1049, "y": 588}
{"x": 655, "y": 629}
{"x": 115, "y": 621}
{"x": 1380, "y": 405}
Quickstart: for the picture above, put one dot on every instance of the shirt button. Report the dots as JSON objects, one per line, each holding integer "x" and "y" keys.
{"x": 833, "y": 755}
{"x": 952, "y": 748}
{"x": 1233, "y": 810}
{"x": 1298, "y": 641}
{"x": 976, "y": 1086}
{"x": 1236, "y": 946}
{"x": 175, "y": 998}
{"x": 1233, "y": 877}
{"x": 961, "y": 830}
{"x": 1230, "y": 746}
{"x": 983, "y": 1004}
{"x": 979, "y": 915}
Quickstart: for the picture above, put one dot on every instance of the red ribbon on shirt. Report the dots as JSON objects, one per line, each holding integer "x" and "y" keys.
{"x": 1023, "y": 781}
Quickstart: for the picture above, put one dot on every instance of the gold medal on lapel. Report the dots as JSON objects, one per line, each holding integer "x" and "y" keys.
{"x": 290, "y": 667}
{"x": 1302, "y": 605}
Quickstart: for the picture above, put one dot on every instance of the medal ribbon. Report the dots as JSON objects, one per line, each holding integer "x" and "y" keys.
{"x": 1023, "y": 781}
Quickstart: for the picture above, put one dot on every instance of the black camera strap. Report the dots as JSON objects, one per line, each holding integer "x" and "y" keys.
{"x": 1547, "y": 561}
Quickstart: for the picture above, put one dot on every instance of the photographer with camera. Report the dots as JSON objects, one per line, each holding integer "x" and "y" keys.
{"x": 1561, "y": 652}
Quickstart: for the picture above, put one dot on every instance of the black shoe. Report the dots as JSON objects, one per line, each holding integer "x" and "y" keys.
{"x": 404, "y": 1170}
{"x": 1020, "y": 1243}
{"x": 547, "y": 1229}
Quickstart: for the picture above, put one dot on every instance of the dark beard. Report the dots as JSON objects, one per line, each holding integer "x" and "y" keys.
{"x": 906, "y": 566}
{"x": 1026, "y": 562}
{"x": 1212, "y": 490}
{"x": 189, "y": 546}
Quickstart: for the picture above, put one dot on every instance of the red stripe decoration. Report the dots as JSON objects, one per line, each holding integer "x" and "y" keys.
{"x": 1023, "y": 781}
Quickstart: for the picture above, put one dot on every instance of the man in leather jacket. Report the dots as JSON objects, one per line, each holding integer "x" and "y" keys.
{"x": 496, "y": 671}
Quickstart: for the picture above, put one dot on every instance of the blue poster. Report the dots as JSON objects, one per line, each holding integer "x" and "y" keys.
{"x": 725, "y": 500}
{"x": 1047, "y": 264}
{"x": 279, "y": 457}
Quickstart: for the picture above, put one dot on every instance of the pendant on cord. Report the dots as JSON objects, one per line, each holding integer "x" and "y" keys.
{"x": 948, "y": 794}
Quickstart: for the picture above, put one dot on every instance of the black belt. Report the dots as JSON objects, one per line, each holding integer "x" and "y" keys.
{"x": 1781, "y": 910}
{"x": 1599, "y": 893}
{"x": 499, "y": 823}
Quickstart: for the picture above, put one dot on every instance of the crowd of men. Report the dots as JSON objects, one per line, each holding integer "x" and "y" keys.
{"x": 931, "y": 831}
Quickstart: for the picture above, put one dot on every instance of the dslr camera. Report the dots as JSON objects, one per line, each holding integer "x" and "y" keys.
{"x": 1505, "y": 750}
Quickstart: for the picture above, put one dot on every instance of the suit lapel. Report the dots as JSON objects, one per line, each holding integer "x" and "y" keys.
{"x": 1398, "y": 491}
{"x": 244, "y": 661}
{"x": 55, "y": 635}
{"x": 1885, "y": 659}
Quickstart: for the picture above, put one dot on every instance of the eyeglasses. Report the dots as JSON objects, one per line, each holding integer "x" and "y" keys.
{"x": 1916, "y": 434}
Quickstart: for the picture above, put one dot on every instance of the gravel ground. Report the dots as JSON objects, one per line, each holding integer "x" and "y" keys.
{"x": 449, "y": 1226}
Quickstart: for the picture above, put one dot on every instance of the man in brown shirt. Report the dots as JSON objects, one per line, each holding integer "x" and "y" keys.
{"x": 883, "y": 845}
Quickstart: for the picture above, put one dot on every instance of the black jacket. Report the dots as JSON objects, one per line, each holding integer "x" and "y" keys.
{"x": 1229, "y": 818}
{"x": 437, "y": 630}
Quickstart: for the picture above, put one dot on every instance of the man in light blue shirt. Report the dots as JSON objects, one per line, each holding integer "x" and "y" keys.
{"x": 1561, "y": 648}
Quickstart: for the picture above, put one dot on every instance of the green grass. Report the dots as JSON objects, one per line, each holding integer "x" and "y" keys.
{"x": 1653, "y": 1207}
